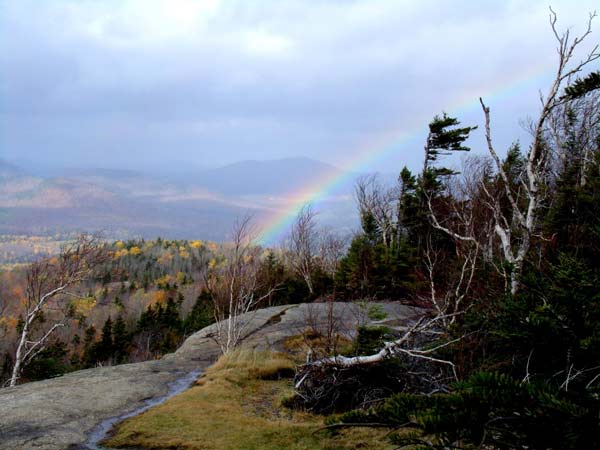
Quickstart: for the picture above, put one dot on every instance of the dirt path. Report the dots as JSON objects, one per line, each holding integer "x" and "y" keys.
{"x": 60, "y": 413}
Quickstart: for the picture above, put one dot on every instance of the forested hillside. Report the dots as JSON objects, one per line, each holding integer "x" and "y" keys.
{"x": 140, "y": 299}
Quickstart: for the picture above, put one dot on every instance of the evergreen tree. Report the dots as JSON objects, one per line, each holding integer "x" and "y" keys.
{"x": 88, "y": 358}
{"x": 162, "y": 327}
{"x": 582, "y": 86}
{"x": 201, "y": 314}
{"x": 105, "y": 348}
{"x": 356, "y": 272}
{"x": 407, "y": 204}
{"x": 444, "y": 138}
{"x": 272, "y": 271}
{"x": 50, "y": 362}
{"x": 120, "y": 338}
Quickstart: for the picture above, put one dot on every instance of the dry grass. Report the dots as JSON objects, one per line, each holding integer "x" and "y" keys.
{"x": 237, "y": 405}
{"x": 255, "y": 364}
{"x": 297, "y": 346}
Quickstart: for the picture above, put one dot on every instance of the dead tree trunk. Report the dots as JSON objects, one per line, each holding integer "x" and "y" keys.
{"x": 517, "y": 229}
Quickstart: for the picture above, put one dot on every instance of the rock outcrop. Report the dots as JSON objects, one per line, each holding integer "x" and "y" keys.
{"x": 60, "y": 413}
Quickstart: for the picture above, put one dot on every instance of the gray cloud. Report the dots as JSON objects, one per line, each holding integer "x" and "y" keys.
{"x": 115, "y": 82}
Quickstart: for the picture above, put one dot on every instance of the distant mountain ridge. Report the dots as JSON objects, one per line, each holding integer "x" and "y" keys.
{"x": 201, "y": 205}
{"x": 280, "y": 176}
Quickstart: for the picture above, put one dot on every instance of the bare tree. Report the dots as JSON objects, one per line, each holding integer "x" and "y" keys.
{"x": 303, "y": 245}
{"x": 518, "y": 227}
{"x": 513, "y": 203}
{"x": 466, "y": 220}
{"x": 380, "y": 203}
{"x": 448, "y": 302}
{"x": 331, "y": 250}
{"x": 49, "y": 283}
{"x": 234, "y": 286}
{"x": 323, "y": 329}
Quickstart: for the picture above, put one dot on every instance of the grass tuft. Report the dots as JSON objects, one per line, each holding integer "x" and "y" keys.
{"x": 256, "y": 364}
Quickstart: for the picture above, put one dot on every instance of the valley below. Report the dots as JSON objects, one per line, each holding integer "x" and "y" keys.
{"x": 200, "y": 204}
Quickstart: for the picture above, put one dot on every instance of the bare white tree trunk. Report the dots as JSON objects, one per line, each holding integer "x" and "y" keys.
{"x": 47, "y": 281}
{"x": 400, "y": 346}
{"x": 469, "y": 230}
{"x": 302, "y": 245}
{"x": 234, "y": 286}
{"x": 450, "y": 304}
{"x": 517, "y": 230}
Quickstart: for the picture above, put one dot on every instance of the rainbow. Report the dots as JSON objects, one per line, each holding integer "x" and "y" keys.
{"x": 384, "y": 145}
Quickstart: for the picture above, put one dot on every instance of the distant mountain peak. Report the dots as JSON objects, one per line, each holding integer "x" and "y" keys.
{"x": 273, "y": 176}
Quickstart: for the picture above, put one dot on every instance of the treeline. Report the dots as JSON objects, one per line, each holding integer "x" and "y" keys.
{"x": 505, "y": 254}
{"x": 522, "y": 337}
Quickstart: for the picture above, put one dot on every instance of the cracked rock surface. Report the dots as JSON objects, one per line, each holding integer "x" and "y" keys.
{"x": 60, "y": 413}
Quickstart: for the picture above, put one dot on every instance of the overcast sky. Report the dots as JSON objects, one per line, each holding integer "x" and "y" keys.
{"x": 153, "y": 82}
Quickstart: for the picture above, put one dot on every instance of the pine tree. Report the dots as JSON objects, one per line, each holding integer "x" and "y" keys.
{"x": 105, "y": 348}
{"x": 88, "y": 358}
{"x": 201, "y": 314}
{"x": 357, "y": 268}
{"x": 120, "y": 338}
{"x": 444, "y": 138}
{"x": 582, "y": 86}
